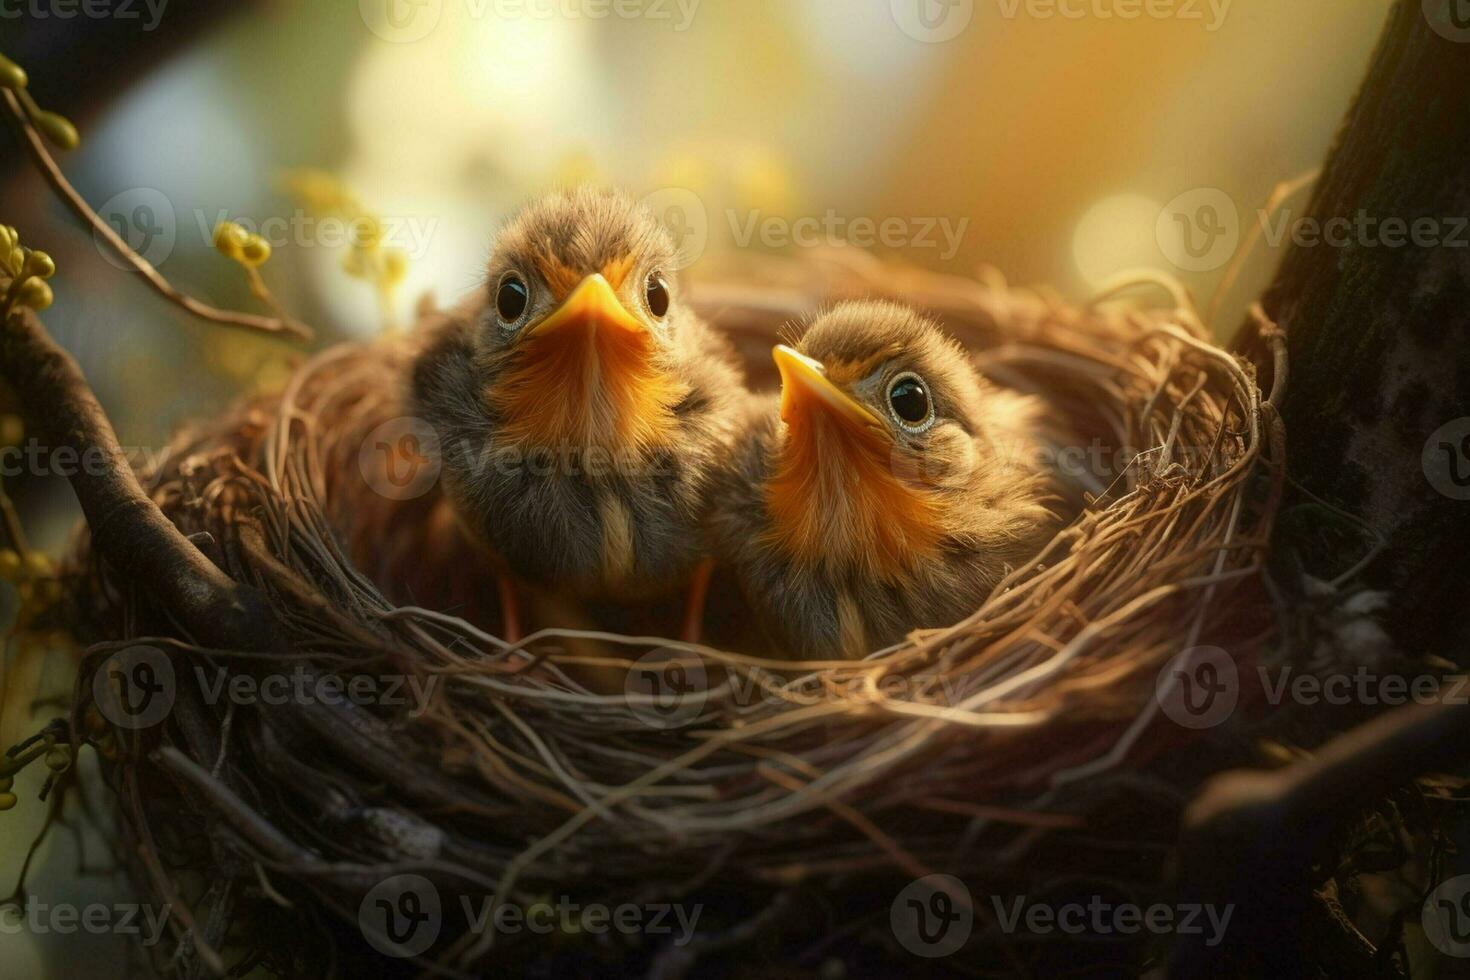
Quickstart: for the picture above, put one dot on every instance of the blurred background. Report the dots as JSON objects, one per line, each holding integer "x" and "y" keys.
{"x": 1060, "y": 141}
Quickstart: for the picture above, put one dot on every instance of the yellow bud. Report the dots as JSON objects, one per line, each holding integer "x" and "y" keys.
{"x": 10, "y": 565}
{"x": 12, "y": 430}
{"x": 36, "y": 294}
{"x": 38, "y": 565}
{"x": 59, "y": 758}
{"x": 58, "y": 129}
{"x": 7, "y": 801}
{"x": 11, "y": 74}
{"x": 229, "y": 239}
{"x": 16, "y": 260}
{"x": 7, "y": 240}
{"x": 395, "y": 266}
{"x": 40, "y": 264}
{"x": 255, "y": 251}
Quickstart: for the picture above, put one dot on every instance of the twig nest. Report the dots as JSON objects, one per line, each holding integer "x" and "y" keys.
{"x": 1008, "y": 749}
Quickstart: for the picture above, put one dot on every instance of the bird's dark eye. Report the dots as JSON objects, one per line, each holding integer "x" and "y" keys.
{"x": 657, "y": 294}
{"x": 910, "y": 400}
{"x": 511, "y": 298}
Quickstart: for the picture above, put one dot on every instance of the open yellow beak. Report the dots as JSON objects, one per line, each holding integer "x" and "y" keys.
{"x": 804, "y": 383}
{"x": 593, "y": 305}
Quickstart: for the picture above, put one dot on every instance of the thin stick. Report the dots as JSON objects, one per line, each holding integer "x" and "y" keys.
{"x": 36, "y": 147}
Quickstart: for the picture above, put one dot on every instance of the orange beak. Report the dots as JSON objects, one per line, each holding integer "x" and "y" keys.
{"x": 589, "y": 378}
{"x": 805, "y": 387}
{"x": 591, "y": 307}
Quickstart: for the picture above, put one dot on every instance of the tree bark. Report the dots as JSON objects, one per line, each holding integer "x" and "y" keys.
{"x": 1377, "y": 342}
{"x": 1378, "y": 334}
{"x": 128, "y": 530}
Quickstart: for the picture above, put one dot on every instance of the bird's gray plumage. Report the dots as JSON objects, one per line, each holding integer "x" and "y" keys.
{"x": 980, "y": 461}
{"x": 549, "y": 511}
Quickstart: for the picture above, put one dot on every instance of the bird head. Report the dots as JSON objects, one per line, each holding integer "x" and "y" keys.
{"x": 580, "y": 346}
{"x": 880, "y": 414}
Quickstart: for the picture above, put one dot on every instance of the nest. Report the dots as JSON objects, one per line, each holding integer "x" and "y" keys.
{"x": 1024, "y": 749}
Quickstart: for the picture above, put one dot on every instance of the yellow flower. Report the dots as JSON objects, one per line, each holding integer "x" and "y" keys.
{"x": 11, "y": 74}
{"x": 39, "y": 264}
{"x": 36, "y": 294}
{"x": 230, "y": 239}
{"x": 254, "y": 252}
{"x": 58, "y": 129}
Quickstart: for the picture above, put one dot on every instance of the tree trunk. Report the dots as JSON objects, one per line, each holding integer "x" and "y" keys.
{"x": 1378, "y": 332}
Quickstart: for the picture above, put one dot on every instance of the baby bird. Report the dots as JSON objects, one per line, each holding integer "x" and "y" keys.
{"x": 582, "y": 408}
{"x": 892, "y": 488}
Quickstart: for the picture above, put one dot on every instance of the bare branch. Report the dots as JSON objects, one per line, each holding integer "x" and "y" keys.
{"x": 279, "y": 325}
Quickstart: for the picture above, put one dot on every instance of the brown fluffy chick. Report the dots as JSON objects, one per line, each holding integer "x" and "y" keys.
{"x": 582, "y": 407}
{"x": 891, "y": 489}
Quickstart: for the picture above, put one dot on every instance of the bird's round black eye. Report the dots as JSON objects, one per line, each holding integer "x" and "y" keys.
{"x": 910, "y": 400}
{"x": 657, "y": 294}
{"x": 511, "y": 298}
